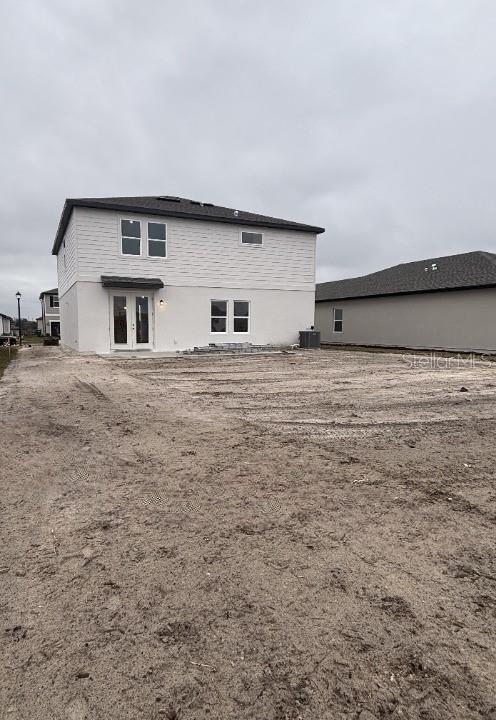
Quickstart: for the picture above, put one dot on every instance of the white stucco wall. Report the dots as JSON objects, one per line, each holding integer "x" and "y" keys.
{"x": 276, "y": 316}
{"x": 462, "y": 320}
{"x": 69, "y": 330}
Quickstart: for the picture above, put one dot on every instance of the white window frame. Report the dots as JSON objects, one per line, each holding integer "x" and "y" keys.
{"x": 55, "y": 302}
{"x": 166, "y": 241}
{"x": 121, "y": 236}
{"x": 226, "y": 317}
{"x": 255, "y": 232}
{"x": 334, "y": 319}
{"x": 244, "y": 317}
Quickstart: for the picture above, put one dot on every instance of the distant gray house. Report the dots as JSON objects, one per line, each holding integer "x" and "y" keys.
{"x": 50, "y": 313}
{"x": 445, "y": 303}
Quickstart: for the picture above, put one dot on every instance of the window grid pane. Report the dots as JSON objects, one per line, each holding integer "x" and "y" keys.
{"x": 131, "y": 246}
{"x": 218, "y": 325}
{"x": 218, "y": 308}
{"x": 241, "y": 325}
{"x": 156, "y": 231}
{"x": 156, "y": 248}
{"x": 241, "y": 308}
{"x": 131, "y": 228}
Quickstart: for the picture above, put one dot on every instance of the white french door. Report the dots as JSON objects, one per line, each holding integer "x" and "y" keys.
{"x": 131, "y": 321}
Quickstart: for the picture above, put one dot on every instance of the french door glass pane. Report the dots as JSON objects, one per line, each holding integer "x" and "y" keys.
{"x": 142, "y": 324}
{"x": 120, "y": 319}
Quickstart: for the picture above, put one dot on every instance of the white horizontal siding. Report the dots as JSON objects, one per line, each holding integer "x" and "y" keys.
{"x": 66, "y": 271}
{"x": 199, "y": 253}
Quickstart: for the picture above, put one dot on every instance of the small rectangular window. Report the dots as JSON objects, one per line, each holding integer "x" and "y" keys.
{"x": 157, "y": 238}
{"x": 241, "y": 316}
{"x": 54, "y": 301}
{"x": 218, "y": 316}
{"x": 338, "y": 320}
{"x": 251, "y": 238}
{"x": 131, "y": 237}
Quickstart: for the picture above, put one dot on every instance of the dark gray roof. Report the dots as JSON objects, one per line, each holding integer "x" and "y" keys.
{"x": 118, "y": 281}
{"x": 7, "y": 317}
{"x": 453, "y": 272}
{"x": 53, "y": 291}
{"x": 169, "y": 205}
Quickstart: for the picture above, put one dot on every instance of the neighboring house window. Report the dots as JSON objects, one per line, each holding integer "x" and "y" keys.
{"x": 241, "y": 316}
{"x": 157, "y": 240}
{"x": 218, "y": 316}
{"x": 251, "y": 238}
{"x": 131, "y": 237}
{"x": 54, "y": 301}
{"x": 338, "y": 320}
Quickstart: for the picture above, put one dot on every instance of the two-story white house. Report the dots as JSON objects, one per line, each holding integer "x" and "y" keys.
{"x": 166, "y": 274}
{"x": 5, "y": 326}
{"x": 50, "y": 312}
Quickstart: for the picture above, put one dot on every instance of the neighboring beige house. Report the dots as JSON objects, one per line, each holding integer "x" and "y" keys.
{"x": 445, "y": 303}
{"x": 50, "y": 313}
{"x": 166, "y": 274}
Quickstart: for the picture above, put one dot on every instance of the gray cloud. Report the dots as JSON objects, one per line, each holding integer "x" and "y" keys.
{"x": 374, "y": 118}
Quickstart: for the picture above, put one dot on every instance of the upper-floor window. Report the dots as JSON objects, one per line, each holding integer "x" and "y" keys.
{"x": 157, "y": 239}
{"x": 338, "y": 320}
{"x": 131, "y": 237}
{"x": 54, "y": 301}
{"x": 251, "y": 238}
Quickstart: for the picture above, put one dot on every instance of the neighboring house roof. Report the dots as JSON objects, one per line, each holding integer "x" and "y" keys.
{"x": 118, "y": 281}
{"x": 7, "y": 317}
{"x": 169, "y": 205}
{"x": 53, "y": 291}
{"x": 453, "y": 272}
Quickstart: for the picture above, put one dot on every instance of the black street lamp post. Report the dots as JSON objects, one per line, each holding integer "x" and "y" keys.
{"x": 18, "y": 296}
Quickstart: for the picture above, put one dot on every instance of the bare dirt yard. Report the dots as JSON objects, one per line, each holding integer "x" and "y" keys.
{"x": 307, "y": 535}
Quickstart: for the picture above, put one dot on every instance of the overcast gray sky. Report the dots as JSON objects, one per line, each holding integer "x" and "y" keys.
{"x": 373, "y": 118}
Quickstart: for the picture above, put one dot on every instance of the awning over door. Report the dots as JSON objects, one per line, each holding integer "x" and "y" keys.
{"x": 116, "y": 281}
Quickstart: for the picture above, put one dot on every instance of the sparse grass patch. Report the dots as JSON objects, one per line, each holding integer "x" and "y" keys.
{"x": 6, "y": 355}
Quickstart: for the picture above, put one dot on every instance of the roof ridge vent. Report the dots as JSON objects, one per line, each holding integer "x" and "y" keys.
{"x": 169, "y": 198}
